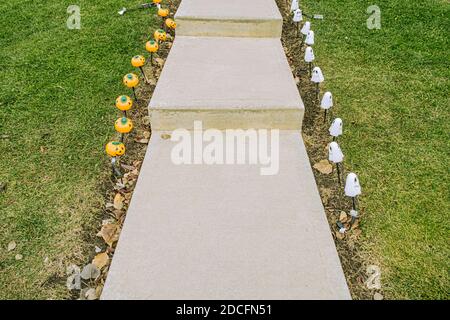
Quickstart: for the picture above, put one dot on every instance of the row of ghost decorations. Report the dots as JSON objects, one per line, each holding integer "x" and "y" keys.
{"x": 352, "y": 187}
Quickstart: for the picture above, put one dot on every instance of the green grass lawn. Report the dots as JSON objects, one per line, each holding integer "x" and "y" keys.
{"x": 392, "y": 91}
{"x": 57, "y": 93}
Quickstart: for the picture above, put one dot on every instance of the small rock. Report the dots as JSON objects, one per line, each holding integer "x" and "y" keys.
{"x": 378, "y": 296}
{"x": 11, "y": 246}
{"x": 19, "y": 256}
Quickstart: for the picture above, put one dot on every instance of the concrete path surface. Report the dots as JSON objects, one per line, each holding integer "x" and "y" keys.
{"x": 226, "y": 231}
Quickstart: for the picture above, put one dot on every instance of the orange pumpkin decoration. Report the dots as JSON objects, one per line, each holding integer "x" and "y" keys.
{"x": 124, "y": 103}
{"x": 171, "y": 24}
{"x": 137, "y": 61}
{"x": 123, "y": 125}
{"x": 151, "y": 46}
{"x": 115, "y": 148}
{"x": 160, "y": 35}
{"x": 130, "y": 80}
{"x": 163, "y": 12}
{"x": 156, "y": 1}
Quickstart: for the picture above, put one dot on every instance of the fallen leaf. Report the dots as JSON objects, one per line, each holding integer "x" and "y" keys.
{"x": 339, "y": 235}
{"x": 100, "y": 260}
{"x": 11, "y": 246}
{"x": 19, "y": 256}
{"x": 118, "y": 201}
{"x": 323, "y": 166}
{"x": 144, "y": 141}
{"x": 146, "y": 134}
{"x": 355, "y": 224}
{"x": 160, "y": 61}
{"x": 109, "y": 233}
{"x": 127, "y": 167}
{"x": 90, "y": 271}
{"x": 343, "y": 217}
{"x": 357, "y": 233}
{"x": 98, "y": 290}
{"x": 91, "y": 294}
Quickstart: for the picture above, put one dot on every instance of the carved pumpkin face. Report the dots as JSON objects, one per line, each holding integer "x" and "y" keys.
{"x": 115, "y": 148}
{"x": 163, "y": 12}
{"x": 160, "y": 35}
{"x": 123, "y": 125}
{"x": 171, "y": 24}
{"x": 151, "y": 46}
{"x": 137, "y": 61}
{"x": 124, "y": 103}
{"x": 130, "y": 80}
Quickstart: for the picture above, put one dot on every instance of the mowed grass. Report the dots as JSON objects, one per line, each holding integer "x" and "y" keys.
{"x": 57, "y": 92}
{"x": 391, "y": 88}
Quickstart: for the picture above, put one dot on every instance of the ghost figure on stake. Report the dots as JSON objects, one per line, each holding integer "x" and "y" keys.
{"x": 309, "y": 58}
{"x": 304, "y": 31}
{"x": 317, "y": 78}
{"x": 294, "y": 5}
{"x": 310, "y": 38}
{"x": 352, "y": 190}
{"x": 336, "y": 156}
{"x": 326, "y": 103}
{"x": 298, "y": 16}
{"x": 336, "y": 128}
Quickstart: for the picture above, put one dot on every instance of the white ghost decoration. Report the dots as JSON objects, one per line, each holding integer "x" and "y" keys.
{"x": 294, "y": 5}
{"x": 336, "y": 127}
{"x": 317, "y": 76}
{"x": 352, "y": 187}
{"x": 298, "y": 16}
{"x": 310, "y": 38}
{"x": 309, "y": 55}
{"x": 335, "y": 154}
{"x": 327, "y": 101}
{"x": 306, "y": 27}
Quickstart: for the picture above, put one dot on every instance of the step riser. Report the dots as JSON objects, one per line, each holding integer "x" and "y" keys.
{"x": 227, "y": 119}
{"x": 221, "y": 28}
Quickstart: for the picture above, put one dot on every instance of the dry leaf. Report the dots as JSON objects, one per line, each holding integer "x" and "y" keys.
{"x": 343, "y": 217}
{"x": 357, "y": 233}
{"x": 12, "y": 245}
{"x": 109, "y": 233}
{"x": 127, "y": 167}
{"x": 118, "y": 201}
{"x": 323, "y": 166}
{"x": 339, "y": 235}
{"x": 160, "y": 61}
{"x": 146, "y": 134}
{"x": 145, "y": 141}
{"x": 90, "y": 272}
{"x": 378, "y": 296}
{"x": 100, "y": 260}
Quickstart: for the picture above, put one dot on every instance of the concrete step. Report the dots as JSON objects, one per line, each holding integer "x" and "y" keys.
{"x": 226, "y": 83}
{"x": 226, "y": 232}
{"x": 229, "y": 18}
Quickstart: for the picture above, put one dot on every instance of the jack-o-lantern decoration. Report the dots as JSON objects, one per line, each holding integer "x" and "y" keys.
{"x": 130, "y": 80}
{"x": 163, "y": 12}
{"x": 156, "y": 1}
{"x": 171, "y": 24}
{"x": 124, "y": 103}
{"x": 160, "y": 35}
{"x": 151, "y": 46}
{"x": 115, "y": 149}
{"x": 123, "y": 125}
{"x": 137, "y": 61}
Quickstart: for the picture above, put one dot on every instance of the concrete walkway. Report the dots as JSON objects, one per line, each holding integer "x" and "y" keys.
{"x": 226, "y": 231}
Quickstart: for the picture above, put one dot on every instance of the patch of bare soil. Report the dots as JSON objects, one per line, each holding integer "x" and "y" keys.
{"x": 316, "y": 137}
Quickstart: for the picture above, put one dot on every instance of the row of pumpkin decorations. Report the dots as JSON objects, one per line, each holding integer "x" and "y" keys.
{"x": 352, "y": 187}
{"x": 124, "y": 125}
